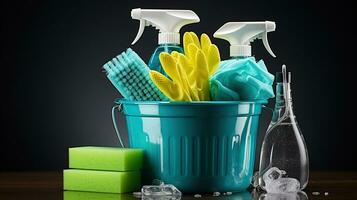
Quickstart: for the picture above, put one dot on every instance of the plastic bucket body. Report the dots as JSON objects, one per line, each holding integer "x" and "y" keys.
{"x": 196, "y": 146}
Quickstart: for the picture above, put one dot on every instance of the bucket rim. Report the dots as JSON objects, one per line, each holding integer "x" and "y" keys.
{"x": 126, "y": 101}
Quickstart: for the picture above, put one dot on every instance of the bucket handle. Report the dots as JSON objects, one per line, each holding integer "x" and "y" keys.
{"x": 114, "y": 118}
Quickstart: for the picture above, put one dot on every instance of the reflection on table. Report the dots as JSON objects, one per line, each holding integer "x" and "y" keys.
{"x": 254, "y": 195}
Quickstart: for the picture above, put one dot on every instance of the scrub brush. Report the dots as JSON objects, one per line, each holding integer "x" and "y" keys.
{"x": 130, "y": 76}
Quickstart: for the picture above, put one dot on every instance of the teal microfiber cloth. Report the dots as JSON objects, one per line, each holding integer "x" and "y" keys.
{"x": 130, "y": 76}
{"x": 241, "y": 79}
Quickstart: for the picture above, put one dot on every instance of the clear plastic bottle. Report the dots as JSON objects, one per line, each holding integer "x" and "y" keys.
{"x": 284, "y": 155}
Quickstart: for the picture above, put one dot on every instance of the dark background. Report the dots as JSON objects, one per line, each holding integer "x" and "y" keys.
{"x": 54, "y": 94}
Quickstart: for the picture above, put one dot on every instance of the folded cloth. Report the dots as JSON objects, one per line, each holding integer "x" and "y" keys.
{"x": 241, "y": 79}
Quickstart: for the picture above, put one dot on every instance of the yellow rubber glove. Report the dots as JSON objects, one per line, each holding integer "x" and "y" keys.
{"x": 178, "y": 88}
{"x": 203, "y": 58}
{"x": 210, "y": 50}
{"x": 189, "y": 73}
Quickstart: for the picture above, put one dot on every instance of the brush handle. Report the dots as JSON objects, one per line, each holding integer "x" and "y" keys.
{"x": 114, "y": 118}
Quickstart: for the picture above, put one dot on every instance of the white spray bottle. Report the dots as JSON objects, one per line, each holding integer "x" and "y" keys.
{"x": 241, "y": 34}
{"x": 169, "y": 23}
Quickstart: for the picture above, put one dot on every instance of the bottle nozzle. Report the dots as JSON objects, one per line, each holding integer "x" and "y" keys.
{"x": 241, "y": 34}
{"x": 136, "y": 13}
{"x": 270, "y": 26}
{"x": 169, "y": 22}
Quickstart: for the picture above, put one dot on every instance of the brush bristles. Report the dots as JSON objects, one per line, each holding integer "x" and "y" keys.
{"x": 130, "y": 75}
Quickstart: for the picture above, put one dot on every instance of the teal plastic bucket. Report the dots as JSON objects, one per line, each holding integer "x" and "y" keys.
{"x": 196, "y": 146}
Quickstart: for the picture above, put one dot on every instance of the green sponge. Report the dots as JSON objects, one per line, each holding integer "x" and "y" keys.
{"x": 101, "y": 181}
{"x": 76, "y": 195}
{"x": 105, "y": 158}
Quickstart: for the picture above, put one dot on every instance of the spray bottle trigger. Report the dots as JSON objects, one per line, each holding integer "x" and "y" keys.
{"x": 266, "y": 43}
{"x": 140, "y": 31}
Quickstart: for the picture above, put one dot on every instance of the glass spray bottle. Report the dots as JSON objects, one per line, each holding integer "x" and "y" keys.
{"x": 284, "y": 163}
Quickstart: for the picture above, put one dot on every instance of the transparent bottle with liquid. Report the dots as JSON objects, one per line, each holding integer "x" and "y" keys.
{"x": 154, "y": 62}
{"x": 284, "y": 162}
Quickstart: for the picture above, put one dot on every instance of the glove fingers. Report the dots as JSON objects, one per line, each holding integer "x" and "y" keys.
{"x": 187, "y": 39}
{"x": 205, "y": 43}
{"x": 184, "y": 62}
{"x": 190, "y": 38}
{"x": 185, "y": 85}
{"x": 194, "y": 95}
{"x": 213, "y": 59}
{"x": 202, "y": 76}
{"x": 169, "y": 64}
{"x": 192, "y": 51}
{"x": 175, "y": 55}
{"x": 195, "y": 39}
{"x": 186, "y": 81}
{"x": 190, "y": 72}
{"x": 166, "y": 86}
{"x": 181, "y": 71}
{"x": 201, "y": 69}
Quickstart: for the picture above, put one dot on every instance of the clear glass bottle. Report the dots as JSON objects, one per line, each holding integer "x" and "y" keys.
{"x": 284, "y": 155}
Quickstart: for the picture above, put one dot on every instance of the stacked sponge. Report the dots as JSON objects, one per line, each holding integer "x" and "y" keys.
{"x": 103, "y": 169}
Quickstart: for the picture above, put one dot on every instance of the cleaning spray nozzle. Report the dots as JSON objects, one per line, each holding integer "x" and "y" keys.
{"x": 241, "y": 34}
{"x": 169, "y": 22}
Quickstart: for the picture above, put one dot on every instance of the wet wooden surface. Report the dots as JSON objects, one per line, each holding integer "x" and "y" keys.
{"x": 48, "y": 185}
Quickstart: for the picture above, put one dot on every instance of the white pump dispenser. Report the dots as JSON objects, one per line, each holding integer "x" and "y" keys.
{"x": 241, "y": 34}
{"x": 169, "y": 22}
